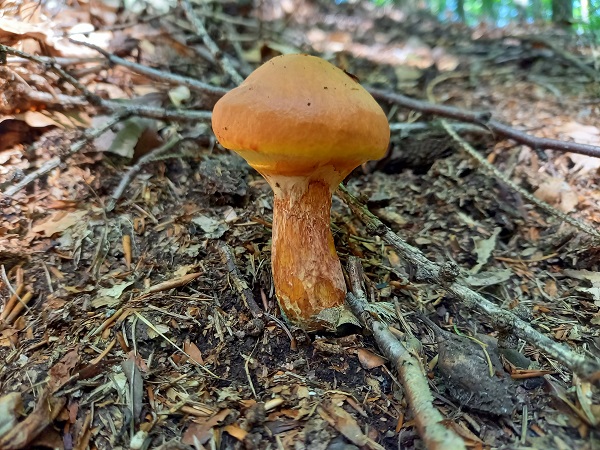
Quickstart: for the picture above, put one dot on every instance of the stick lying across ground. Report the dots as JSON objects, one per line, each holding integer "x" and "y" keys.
{"x": 428, "y": 419}
{"x": 447, "y": 277}
{"x": 484, "y": 119}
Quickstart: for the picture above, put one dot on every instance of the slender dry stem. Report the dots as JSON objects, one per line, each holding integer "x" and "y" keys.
{"x": 446, "y": 276}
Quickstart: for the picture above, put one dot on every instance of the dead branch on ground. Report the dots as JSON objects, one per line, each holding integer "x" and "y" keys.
{"x": 490, "y": 168}
{"x": 134, "y": 170}
{"x": 238, "y": 281}
{"x": 547, "y": 208}
{"x": 447, "y": 276}
{"x": 428, "y": 419}
{"x": 483, "y": 119}
{"x": 53, "y": 163}
{"x": 219, "y": 55}
{"x": 157, "y": 75}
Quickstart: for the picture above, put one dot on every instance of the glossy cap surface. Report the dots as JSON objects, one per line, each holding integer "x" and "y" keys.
{"x": 297, "y": 113}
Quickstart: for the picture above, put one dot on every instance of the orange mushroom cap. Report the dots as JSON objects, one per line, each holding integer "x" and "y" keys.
{"x": 297, "y": 113}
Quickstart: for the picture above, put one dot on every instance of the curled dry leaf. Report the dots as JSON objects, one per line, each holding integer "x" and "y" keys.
{"x": 58, "y": 222}
{"x": 13, "y": 31}
{"x": 558, "y": 193}
{"x": 368, "y": 359}
{"x": 347, "y": 425}
{"x": 201, "y": 430}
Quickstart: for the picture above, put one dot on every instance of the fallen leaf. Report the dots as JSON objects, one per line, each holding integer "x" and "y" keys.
{"x": 347, "y": 425}
{"x": 201, "y": 429}
{"x": 60, "y": 373}
{"x": 236, "y": 432}
{"x": 179, "y": 95}
{"x": 193, "y": 351}
{"x": 484, "y": 249}
{"x": 369, "y": 360}
{"x": 558, "y": 193}
{"x": 58, "y": 222}
{"x": 110, "y": 296}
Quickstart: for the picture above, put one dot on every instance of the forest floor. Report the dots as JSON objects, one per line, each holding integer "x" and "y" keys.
{"x": 124, "y": 323}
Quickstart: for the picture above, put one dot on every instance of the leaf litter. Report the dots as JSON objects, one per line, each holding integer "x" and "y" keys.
{"x": 144, "y": 341}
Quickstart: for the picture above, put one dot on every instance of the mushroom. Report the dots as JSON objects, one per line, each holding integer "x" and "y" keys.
{"x": 304, "y": 125}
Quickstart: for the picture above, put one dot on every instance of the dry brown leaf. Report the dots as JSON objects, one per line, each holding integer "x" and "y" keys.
{"x": 201, "y": 430}
{"x": 558, "y": 193}
{"x": 58, "y": 222}
{"x": 38, "y": 119}
{"x": 347, "y": 425}
{"x": 369, "y": 360}
{"x": 60, "y": 373}
{"x": 586, "y": 134}
{"x": 193, "y": 351}
{"x": 236, "y": 432}
{"x": 13, "y": 31}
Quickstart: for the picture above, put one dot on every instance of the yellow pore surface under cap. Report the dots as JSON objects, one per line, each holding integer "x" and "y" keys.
{"x": 297, "y": 113}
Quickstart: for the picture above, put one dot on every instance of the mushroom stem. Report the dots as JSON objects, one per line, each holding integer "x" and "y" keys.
{"x": 306, "y": 269}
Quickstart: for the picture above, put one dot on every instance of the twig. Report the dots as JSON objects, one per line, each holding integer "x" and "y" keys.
{"x": 219, "y": 56}
{"x": 53, "y": 67}
{"x": 156, "y": 74}
{"x": 53, "y": 163}
{"x": 446, "y": 276}
{"x": 483, "y": 162}
{"x": 414, "y": 127}
{"x": 117, "y": 106}
{"x": 569, "y": 57}
{"x": 133, "y": 170}
{"x": 240, "y": 284}
{"x": 56, "y": 60}
{"x": 19, "y": 307}
{"x": 428, "y": 419}
{"x": 549, "y": 209}
{"x": 484, "y": 120}
{"x": 130, "y": 108}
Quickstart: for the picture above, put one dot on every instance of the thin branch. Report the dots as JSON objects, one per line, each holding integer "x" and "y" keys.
{"x": 156, "y": 74}
{"x": 428, "y": 419}
{"x": 447, "y": 275}
{"x": 56, "y": 60}
{"x": 484, "y": 120}
{"x": 116, "y": 106}
{"x": 564, "y": 54}
{"x": 238, "y": 280}
{"x": 549, "y": 209}
{"x": 219, "y": 56}
{"x": 53, "y": 163}
{"x": 134, "y": 170}
{"x": 53, "y": 67}
{"x": 153, "y": 112}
